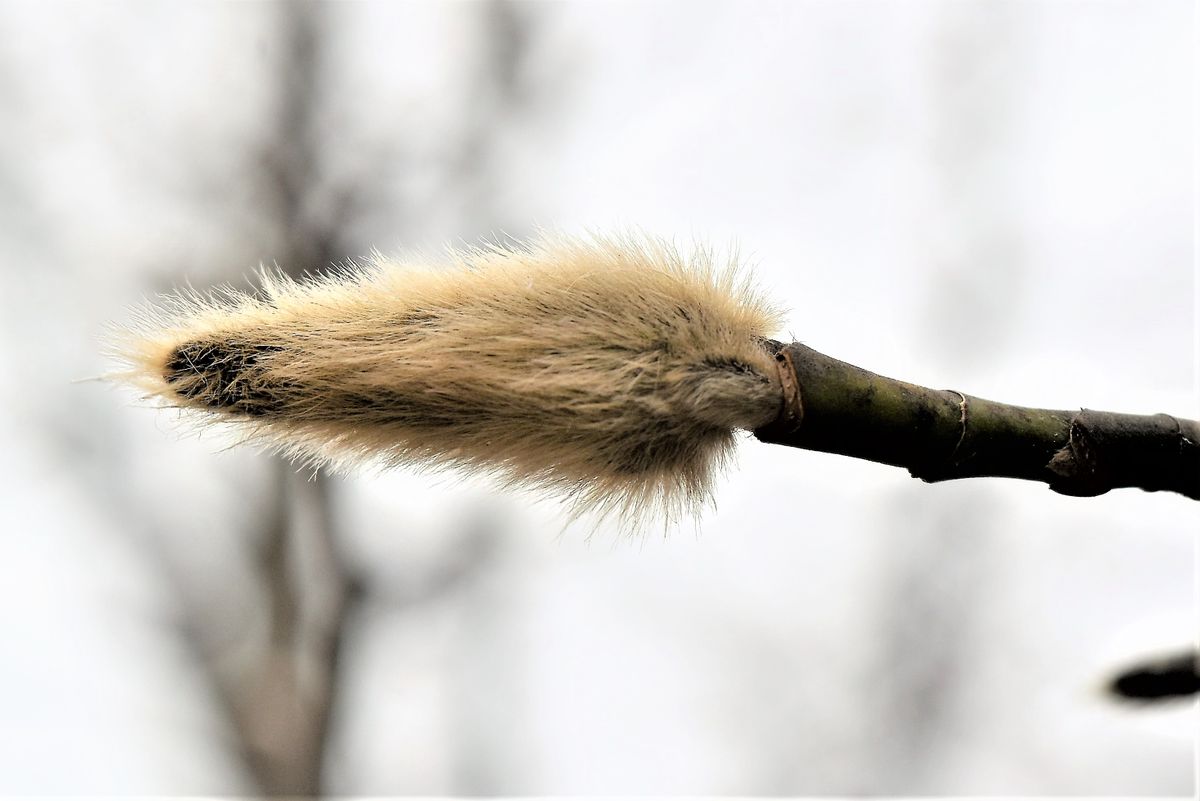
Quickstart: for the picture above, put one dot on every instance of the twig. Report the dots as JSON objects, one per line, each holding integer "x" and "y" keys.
{"x": 1166, "y": 679}
{"x": 939, "y": 435}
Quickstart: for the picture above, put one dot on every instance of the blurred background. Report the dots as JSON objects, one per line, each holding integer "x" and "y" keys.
{"x": 991, "y": 196}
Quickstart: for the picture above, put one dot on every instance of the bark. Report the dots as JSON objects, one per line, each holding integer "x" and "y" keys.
{"x": 939, "y": 435}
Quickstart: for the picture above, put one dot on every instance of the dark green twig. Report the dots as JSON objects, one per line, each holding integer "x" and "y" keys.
{"x": 939, "y": 435}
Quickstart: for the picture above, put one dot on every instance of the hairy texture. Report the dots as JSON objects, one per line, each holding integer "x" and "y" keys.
{"x": 613, "y": 371}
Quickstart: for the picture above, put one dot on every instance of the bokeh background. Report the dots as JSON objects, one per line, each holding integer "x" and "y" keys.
{"x": 994, "y": 196}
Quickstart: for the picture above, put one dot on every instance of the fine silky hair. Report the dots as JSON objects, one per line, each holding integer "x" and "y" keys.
{"x": 611, "y": 371}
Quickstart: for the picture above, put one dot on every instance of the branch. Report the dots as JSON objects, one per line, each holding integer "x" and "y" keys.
{"x": 939, "y": 435}
{"x": 286, "y": 700}
{"x": 1164, "y": 679}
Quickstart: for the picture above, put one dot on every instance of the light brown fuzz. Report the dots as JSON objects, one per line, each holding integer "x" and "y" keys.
{"x": 611, "y": 370}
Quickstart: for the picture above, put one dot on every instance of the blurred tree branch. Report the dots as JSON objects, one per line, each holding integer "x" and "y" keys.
{"x": 283, "y": 708}
{"x": 284, "y": 705}
{"x": 1169, "y": 678}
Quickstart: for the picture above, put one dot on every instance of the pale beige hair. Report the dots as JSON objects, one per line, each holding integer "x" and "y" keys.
{"x": 611, "y": 370}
